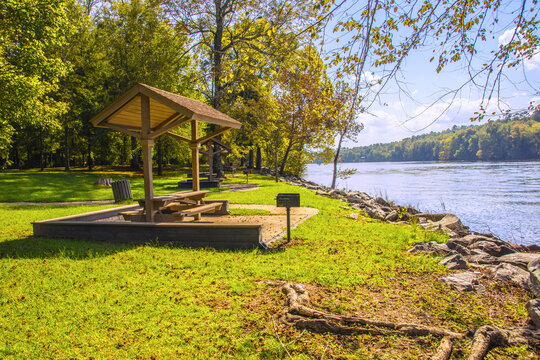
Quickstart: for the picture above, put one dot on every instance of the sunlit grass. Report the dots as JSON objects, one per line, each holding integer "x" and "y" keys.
{"x": 51, "y": 186}
{"x": 65, "y": 298}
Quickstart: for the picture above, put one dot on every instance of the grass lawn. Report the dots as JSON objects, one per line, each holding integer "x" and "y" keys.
{"x": 78, "y": 299}
{"x": 52, "y": 186}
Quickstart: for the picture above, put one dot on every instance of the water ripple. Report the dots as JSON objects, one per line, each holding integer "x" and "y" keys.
{"x": 502, "y": 197}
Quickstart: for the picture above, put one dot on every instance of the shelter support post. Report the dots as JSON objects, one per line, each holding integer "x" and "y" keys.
{"x": 195, "y": 146}
{"x": 210, "y": 161}
{"x": 146, "y": 145}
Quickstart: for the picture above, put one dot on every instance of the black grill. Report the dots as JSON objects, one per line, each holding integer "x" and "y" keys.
{"x": 288, "y": 200}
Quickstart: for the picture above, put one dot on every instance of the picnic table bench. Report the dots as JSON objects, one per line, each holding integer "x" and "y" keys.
{"x": 175, "y": 207}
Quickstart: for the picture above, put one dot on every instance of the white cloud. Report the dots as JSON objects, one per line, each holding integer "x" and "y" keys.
{"x": 506, "y": 36}
{"x": 533, "y": 63}
{"x": 391, "y": 123}
{"x": 530, "y": 64}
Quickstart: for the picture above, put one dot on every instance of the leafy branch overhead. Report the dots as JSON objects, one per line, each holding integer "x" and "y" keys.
{"x": 380, "y": 35}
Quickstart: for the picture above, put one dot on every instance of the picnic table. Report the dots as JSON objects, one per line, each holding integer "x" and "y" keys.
{"x": 174, "y": 207}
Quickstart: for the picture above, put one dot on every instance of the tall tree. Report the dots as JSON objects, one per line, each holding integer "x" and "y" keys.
{"x": 226, "y": 33}
{"x": 29, "y": 71}
{"x": 143, "y": 46}
{"x": 345, "y": 125}
{"x": 304, "y": 89}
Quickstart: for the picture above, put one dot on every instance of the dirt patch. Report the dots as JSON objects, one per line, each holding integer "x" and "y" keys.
{"x": 273, "y": 226}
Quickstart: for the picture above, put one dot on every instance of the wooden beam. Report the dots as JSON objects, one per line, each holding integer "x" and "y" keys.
{"x": 222, "y": 144}
{"x": 194, "y": 145}
{"x": 115, "y": 105}
{"x": 214, "y": 134}
{"x": 146, "y": 144}
{"x": 166, "y": 101}
{"x": 178, "y": 137}
{"x": 178, "y": 120}
{"x": 166, "y": 121}
{"x": 121, "y": 128}
{"x": 210, "y": 162}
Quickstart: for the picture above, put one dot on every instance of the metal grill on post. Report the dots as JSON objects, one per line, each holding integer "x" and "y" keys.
{"x": 288, "y": 200}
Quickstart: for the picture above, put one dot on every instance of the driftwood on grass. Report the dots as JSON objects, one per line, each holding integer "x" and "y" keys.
{"x": 300, "y": 315}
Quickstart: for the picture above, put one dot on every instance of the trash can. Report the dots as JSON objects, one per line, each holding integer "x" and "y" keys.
{"x": 121, "y": 190}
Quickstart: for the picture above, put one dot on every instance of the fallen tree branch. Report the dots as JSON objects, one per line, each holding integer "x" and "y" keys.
{"x": 489, "y": 337}
{"x": 300, "y": 315}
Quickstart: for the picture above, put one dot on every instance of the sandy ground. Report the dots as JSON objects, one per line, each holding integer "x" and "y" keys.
{"x": 274, "y": 226}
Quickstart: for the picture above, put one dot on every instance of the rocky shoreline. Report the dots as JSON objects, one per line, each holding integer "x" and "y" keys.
{"x": 479, "y": 255}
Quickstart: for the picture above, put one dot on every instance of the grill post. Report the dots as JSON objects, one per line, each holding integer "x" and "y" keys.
{"x": 288, "y": 201}
{"x": 288, "y": 224}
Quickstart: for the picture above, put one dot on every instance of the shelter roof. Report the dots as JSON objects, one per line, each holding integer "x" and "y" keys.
{"x": 167, "y": 111}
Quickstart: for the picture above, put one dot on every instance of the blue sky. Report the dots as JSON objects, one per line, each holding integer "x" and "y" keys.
{"x": 396, "y": 116}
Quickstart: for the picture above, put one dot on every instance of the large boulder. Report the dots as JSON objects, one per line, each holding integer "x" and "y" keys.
{"x": 450, "y": 224}
{"x": 392, "y": 216}
{"x": 520, "y": 258}
{"x": 533, "y": 308}
{"x": 467, "y": 281}
{"x": 468, "y": 240}
{"x": 480, "y": 257}
{"x": 511, "y": 273}
{"x": 322, "y": 193}
{"x": 534, "y": 276}
{"x": 458, "y": 248}
{"x": 382, "y": 202}
{"x": 492, "y": 248}
{"x": 455, "y": 262}
{"x": 375, "y": 212}
{"x": 430, "y": 248}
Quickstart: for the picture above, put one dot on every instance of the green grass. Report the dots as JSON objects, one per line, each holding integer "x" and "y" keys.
{"x": 249, "y": 212}
{"x": 79, "y": 299}
{"x": 52, "y": 186}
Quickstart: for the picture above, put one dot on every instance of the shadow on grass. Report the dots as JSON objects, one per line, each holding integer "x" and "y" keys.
{"x": 31, "y": 247}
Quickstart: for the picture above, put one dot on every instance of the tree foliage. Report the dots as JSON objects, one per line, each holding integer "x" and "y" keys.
{"x": 29, "y": 71}
{"x": 379, "y": 35}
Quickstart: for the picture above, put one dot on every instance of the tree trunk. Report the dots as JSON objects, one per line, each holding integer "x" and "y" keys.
{"x": 250, "y": 159}
{"x": 134, "y": 154}
{"x": 217, "y": 55}
{"x": 66, "y": 150}
{"x": 258, "y": 159}
{"x": 160, "y": 158}
{"x": 90, "y": 160}
{"x": 41, "y": 155}
{"x": 276, "y": 166}
{"x": 336, "y": 159}
{"x": 218, "y": 162}
{"x": 284, "y": 161}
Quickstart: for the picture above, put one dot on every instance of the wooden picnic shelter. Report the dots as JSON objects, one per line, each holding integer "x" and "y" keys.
{"x": 145, "y": 113}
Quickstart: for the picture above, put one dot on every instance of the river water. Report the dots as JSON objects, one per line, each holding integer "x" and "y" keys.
{"x": 498, "y": 197}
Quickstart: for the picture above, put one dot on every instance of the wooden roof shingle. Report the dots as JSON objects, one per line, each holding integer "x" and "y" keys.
{"x": 167, "y": 110}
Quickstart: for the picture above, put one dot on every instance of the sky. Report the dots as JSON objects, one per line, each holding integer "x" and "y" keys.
{"x": 396, "y": 116}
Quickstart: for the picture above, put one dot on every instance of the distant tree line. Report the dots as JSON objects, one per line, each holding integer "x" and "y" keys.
{"x": 516, "y": 137}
